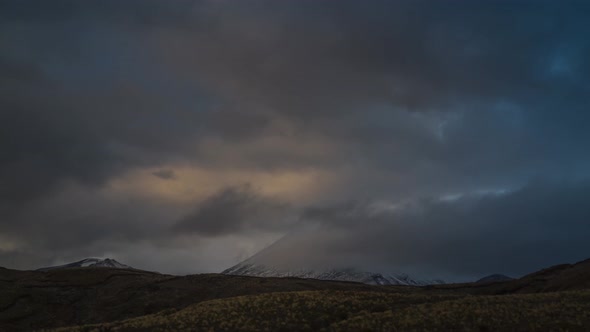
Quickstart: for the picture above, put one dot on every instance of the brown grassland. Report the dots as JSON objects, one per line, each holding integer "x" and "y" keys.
{"x": 370, "y": 311}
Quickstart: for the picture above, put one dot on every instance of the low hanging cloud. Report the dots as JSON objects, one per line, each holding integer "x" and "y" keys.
{"x": 235, "y": 210}
{"x": 459, "y": 239}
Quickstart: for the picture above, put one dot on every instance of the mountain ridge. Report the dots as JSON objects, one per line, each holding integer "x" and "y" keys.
{"x": 35, "y": 300}
{"x": 494, "y": 278}
{"x": 248, "y": 268}
{"x": 89, "y": 263}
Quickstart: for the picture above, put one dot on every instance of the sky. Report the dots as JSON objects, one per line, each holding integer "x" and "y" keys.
{"x": 446, "y": 139}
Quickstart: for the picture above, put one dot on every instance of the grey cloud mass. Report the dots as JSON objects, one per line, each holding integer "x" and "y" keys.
{"x": 234, "y": 209}
{"x": 166, "y": 174}
{"x": 134, "y": 125}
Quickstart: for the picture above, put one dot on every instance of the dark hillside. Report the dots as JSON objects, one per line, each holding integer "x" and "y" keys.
{"x": 32, "y": 299}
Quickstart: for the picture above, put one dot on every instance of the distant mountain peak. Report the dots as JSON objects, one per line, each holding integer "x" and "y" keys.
{"x": 90, "y": 262}
{"x": 247, "y": 268}
{"x": 494, "y": 278}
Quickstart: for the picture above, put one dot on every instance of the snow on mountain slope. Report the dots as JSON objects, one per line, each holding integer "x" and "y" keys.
{"x": 284, "y": 259}
{"x": 90, "y": 262}
{"x": 249, "y": 269}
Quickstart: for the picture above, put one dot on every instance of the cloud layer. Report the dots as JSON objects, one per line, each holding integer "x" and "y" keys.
{"x": 202, "y": 131}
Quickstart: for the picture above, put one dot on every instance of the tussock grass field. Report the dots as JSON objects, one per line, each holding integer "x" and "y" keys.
{"x": 370, "y": 311}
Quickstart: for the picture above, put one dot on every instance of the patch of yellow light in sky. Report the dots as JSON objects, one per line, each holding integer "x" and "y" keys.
{"x": 7, "y": 244}
{"x": 192, "y": 184}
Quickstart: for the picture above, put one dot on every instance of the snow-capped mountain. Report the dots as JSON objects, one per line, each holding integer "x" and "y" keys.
{"x": 284, "y": 259}
{"x": 256, "y": 270}
{"x": 90, "y": 262}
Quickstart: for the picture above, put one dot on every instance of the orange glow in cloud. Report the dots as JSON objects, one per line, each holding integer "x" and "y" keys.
{"x": 192, "y": 184}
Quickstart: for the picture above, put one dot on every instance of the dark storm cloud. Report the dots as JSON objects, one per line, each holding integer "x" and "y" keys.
{"x": 406, "y": 99}
{"x": 147, "y": 12}
{"x": 39, "y": 144}
{"x": 235, "y": 210}
{"x": 417, "y": 55}
{"x": 139, "y": 80}
{"x": 165, "y": 174}
{"x": 68, "y": 112}
{"x": 488, "y": 77}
